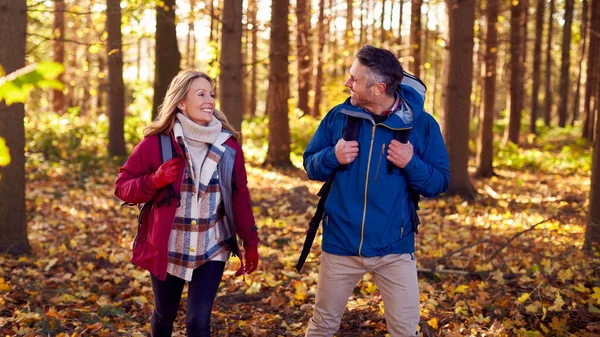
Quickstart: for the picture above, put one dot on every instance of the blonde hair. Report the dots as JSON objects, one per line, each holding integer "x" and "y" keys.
{"x": 176, "y": 92}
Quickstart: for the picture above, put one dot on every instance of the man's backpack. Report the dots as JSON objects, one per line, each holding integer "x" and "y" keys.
{"x": 351, "y": 132}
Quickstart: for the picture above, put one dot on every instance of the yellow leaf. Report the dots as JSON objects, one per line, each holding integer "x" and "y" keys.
{"x": 581, "y": 288}
{"x": 565, "y": 275}
{"x": 4, "y": 287}
{"x": 523, "y": 298}
{"x": 461, "y": 288}
{"x": 558, "y": 303}
{"x": 301, "y": 290}
{"x": 4, "y": 153}
{"x": 544, "y": 328}
{"x": 596, "y": 294}
{"x": 433, "y": 323}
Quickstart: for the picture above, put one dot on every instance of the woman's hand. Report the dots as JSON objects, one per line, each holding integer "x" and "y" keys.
{"x": 167, "y": 173}
{"x": 251, "y": 258}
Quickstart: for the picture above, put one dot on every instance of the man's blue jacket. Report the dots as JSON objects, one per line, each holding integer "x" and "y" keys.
{"x": 368, "y": 210}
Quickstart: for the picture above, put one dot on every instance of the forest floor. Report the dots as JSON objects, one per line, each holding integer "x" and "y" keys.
{"x": 507, "y": 264}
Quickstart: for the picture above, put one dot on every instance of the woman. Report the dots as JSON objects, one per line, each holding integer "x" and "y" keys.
{"x": 195, "y": 203}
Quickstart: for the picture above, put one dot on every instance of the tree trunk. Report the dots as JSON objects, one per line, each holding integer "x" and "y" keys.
{"x": 399, "y": 54}
{"x": 230, "y": 77}
{"x": 537, "y": 62}
{"x": 485, "y": 147}
{"x": 316, "y": 110}
{"x": 549, "y": 67}
{"x": 583, "y": 30}
{"x": 349, "y": 35}
{"x": 116, "y": 88}
{"x": 13, "y": 26}
{"x": 278, "y": 153}
{"x": 415, "y": 37}
{"x": 303, "y": 39}
{"x": 167, "y": 57}
{"x": 58, "y": 27}
{"x": 565, "y": 83}
{"x": 363, "y": 19}
{"x": 382, "y": 27}
{"x": 593, "y": 73}
{"x": 461, "y": 14}
{"x": 253, "y": 9}
{"x": 592, "y": 230}
{"x": 191, "y": 38}
{"x": 516, "y": 72}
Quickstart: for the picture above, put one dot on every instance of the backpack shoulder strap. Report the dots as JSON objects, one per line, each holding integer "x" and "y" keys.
{"x": 351, "y": 128}
{"x": 166, "y": 148}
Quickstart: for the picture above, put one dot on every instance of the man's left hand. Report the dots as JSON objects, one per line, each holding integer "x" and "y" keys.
{"x": 400, "y": 154}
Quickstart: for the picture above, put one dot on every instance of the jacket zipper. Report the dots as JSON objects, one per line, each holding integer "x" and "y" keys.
{"x": 362, "y": 232}
{"x": 379, "y": 161}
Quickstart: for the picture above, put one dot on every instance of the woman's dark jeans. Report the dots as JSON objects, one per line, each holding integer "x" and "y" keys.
{"x": 202, "y": 290}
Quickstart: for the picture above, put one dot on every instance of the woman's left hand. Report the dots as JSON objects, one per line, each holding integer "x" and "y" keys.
{"x": 251, "y": 254}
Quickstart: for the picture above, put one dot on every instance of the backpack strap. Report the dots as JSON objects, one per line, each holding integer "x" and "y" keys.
{"x": 166, "y": 153}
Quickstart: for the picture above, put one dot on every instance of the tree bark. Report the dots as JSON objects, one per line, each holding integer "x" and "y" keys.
{"x": 383, "y": 33}
{"x": 537, "y": 62}
{"x": 549, "y": 66}
{"x": 13, "y": 226}
{"x": 321, "y": 24}
{"x": 564, "y": 68}
{"x": 58, "y": 27}
{"x": 583, "y": 30}
{"x": 516, "y": 72}
{"x": 116, "y": 87}
{"x": 303, "y": 39}
{"x": 461, "y": 14}
{"x": 167, "y": 56}
{"x": 592, "y": 230}
{"x": 191, "y": 37}
{"x": 415, "y": 37}
{"x": 230, "y": 77}
{"x": 278, "y": 153}
{"x": 485, "y": 147}
{"x": 253, "y": 9}
{"x": 593, "y": 72}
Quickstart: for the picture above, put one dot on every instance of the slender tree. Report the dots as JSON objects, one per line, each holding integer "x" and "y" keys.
{"x": 461, "y": 14}
{"x": 58, "y": 27}
{"x": 230, "y": 77}
{"x": 252, "y": 12}
{"x": 116, "y": 87}
{"x": 321, "y": 24}
{"x": 485, "y": 147}
{"x": 583, "y": 30}
{"x": 13, "y": 25}
{"x": 564, "y": 67}
{"x": 549, "y": 66}
{"x": 593, "y": 74}
{"x": 415, "y": 37}
{"x": 167, "y": 52}
{"x": 592, "y": 230}
{"x": 383, "y": 33}
{"x": 303, "y": 39}
{"x": 516, "y": 72}
{"x": 278, "y": 153}
{"x": 399, "y": 54}
{"x": 537, "y": 62}
{"x": 190, "y": 60}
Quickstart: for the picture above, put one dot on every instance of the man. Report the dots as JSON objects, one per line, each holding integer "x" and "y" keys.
{"x": 368, "y": 221}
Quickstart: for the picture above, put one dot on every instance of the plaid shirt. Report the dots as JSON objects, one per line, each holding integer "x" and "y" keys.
{"x": 199, "y": 230}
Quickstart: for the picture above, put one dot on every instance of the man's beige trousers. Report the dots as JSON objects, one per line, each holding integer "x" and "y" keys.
{"x": 396, "y": 277}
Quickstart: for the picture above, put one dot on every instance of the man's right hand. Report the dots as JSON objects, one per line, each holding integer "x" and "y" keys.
{"x": 166, "y": 173}
{"x": 346, "y": 151}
